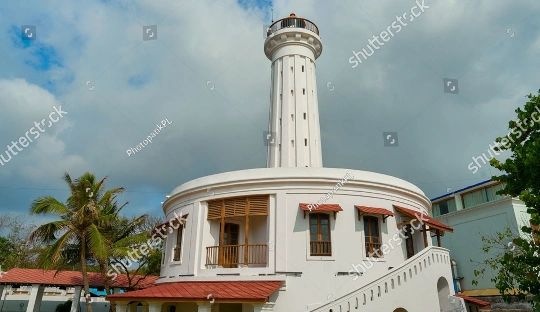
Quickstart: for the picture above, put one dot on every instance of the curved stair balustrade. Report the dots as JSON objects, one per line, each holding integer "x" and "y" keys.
{"x": 430, "y": 258}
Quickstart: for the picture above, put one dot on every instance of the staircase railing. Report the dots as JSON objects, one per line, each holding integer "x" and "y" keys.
{"x": 393, "y": 279}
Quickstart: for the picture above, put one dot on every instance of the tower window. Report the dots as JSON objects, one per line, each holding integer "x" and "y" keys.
{"x": 292, "y": 117}
{"x": 319, "y": 234}
{"x": 292, "y": 69}
{"x": 292, "y": 142}
{"x": 304, "y": 91}
{"x": 178, "y": 247}
{"x": 280, "y": 121}
{"x": 302, "y": 68}
{"x": 304, "y": 116}
{"x": 279, "y": 146}
{"x": 305, "y": 142}
{"x": 281, "y": 98}
{"x": 373, "y": 236}
{"x": 291, "y": 92}
{"x": 281, "y": 73}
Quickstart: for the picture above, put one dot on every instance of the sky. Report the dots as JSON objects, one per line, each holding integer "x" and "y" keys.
{"x": 205, "y": 75}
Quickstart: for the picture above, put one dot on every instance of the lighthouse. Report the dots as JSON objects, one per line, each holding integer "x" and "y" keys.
{"x": 293, "y": 44}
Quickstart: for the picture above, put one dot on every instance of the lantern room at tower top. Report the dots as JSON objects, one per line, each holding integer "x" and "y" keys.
{"x": 304, "y": 31}
{"x": 293, "y": 21}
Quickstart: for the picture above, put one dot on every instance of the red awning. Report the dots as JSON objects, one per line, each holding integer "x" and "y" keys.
{"x": 226, "y": 291}
{"x": 323, "y": 207}
{"x": 373, "y": 210}
{"x": 479, "y": 302}
{"x": 69, "y": 278}
{"x": 425, "y": 218}
{"x": 335, "y": 208}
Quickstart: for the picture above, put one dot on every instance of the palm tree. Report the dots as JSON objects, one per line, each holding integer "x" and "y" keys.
{"x": 78, "y": 233}
{"x": 123, "y": 234}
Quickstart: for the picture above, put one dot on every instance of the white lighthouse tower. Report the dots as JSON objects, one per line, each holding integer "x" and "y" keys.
{"x": 293, "y": 45}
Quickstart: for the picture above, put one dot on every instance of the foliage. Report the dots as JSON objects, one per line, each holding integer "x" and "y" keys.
{"x": 76, "y": 237}
{"x": 517, "y": 269}
{"x": 6, "y": 249}
{"x": 64, "y": 307}
{"x": 16, "y": 250}
{"x": 91, "y": 233}
{"x": 128, "y": 249}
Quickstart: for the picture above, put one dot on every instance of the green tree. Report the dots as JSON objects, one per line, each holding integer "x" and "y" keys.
{"x": 6, "y": 250}
{"x": 63, "y": 307}
{"x": 124, "y": 235}
{"x": 131, "y": 238}
{"x": 16, "y": 250}
{"x": 77, "y": 234}
{"x": 517, "y": 261}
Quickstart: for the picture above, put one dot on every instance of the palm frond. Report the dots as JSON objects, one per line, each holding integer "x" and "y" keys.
{"x": 98, "y": 243}
{"x": 50, "y": 256}
{"x": 47, "y": 232}
{"x": 48, "y": 205}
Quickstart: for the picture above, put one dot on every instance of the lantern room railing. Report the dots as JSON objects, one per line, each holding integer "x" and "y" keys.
{"x": 294, "y": 22}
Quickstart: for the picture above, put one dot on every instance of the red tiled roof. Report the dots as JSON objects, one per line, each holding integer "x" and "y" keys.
{"x": 69, "y": 278}
{"x": 428, "y": 220}
{"x": 479, "y": 302}
{"x": 373, "y": 210}
{"x": 323, "y": 207}
{"x": 226, "y": 290}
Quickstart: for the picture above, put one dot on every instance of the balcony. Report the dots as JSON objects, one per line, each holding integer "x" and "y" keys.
{"x": 294, "y": 22}
{"x": 372, "y": 249}
{"x": 320, "y": 248}
{"x": 230, "y": 256}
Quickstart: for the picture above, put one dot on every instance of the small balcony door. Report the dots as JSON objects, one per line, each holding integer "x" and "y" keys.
{"x": 229, "y": 250}
{"x": 409, "y": 241}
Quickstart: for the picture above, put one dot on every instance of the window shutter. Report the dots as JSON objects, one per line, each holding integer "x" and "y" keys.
{"x": 258, "y": 205}
{"x": 236, "y": 206}
{"x": 214, "y": 209}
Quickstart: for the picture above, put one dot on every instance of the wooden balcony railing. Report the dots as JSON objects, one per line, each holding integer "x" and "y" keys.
{"x": 320, "y": 248}
{"x": 230, "y": 256}
{"x": 372, "y": 250}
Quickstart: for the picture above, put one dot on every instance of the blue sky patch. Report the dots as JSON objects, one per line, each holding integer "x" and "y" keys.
{"x": 138, "y": 81}
{"x": 259, "y": 4}
{"x": 43, "y": 58}
{"x": 16, "y": 38}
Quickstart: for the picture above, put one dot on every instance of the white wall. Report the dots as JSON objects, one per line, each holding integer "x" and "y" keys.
{"x": 466, "y": 242}
{"x": 289, "y": 230}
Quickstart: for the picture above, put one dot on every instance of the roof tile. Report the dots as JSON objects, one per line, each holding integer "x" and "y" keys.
{"x": 474, "y": 300}
{"x": 201, "y": 290}
{"x": 69, "y": 278}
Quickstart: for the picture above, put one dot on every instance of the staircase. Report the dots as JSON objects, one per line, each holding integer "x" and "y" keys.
{"x": 370, "y": 296}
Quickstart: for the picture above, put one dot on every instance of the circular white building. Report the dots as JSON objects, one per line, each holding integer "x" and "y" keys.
{"x": 296, "y": 236}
